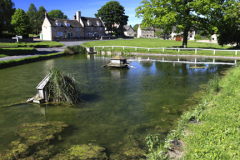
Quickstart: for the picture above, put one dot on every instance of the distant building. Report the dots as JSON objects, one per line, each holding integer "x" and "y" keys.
{"x": 79, "y": 27}
{"x": 147, "y": 32}
{"x": 128, "y": 30}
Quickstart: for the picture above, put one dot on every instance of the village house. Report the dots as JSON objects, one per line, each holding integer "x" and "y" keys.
{"x": 79, "y": 27}
{"x": 128, "y": 30}
{"x": 147, "y": 32}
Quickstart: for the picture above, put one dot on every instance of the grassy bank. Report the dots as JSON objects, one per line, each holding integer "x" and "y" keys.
{"x": 9, "y": 63}
{"x": 33, "y": 44}
{"x": 211, "y": 130}
{"x": 156, "y": 43}
{"x": 4, "y": 52}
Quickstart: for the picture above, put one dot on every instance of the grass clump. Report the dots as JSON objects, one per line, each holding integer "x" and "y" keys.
{"x": 63, "y": 87}
{"x": 76, "y": 49}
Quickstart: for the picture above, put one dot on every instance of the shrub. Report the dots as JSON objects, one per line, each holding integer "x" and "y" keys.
{"x": 76, "y": 49}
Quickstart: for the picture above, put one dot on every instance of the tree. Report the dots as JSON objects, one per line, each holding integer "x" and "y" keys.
{"x": 32, "y": 14}
{"x": 158, "y": 33}
{"x": 6, "y": 11}
{"x": 186, "y": 15}
{"x": 135, "y": 27}
{"x": 229, "y": 25}
{"x": 20, "y": 22}
{"x": 112, "y": 12}
{"x": 56, "y": 14}
{"x": 40, "y": 18}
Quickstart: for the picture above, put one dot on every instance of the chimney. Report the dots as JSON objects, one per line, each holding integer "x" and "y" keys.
{"x": 74, "y": 17}
{"x": 45, "y": 14}
{"x": 78, "y": 15}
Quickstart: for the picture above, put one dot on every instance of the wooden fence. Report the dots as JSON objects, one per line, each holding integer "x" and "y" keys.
{"x": 163, "y": 49}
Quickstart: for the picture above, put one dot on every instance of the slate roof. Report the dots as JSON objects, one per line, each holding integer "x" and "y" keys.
{"x": 92, "y": 20}
{"x": 73, "y": 23}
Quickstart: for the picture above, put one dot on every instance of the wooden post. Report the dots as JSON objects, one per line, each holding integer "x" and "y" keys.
{"x": 112, "y": 47}
{"x": 235, "y": 52}
{"x": 102, "y": 47}
{"x": 178, "y": 59}
{"x": 123, "y": 48}
{"x": 195, "y": 51}
{"x": 163, "y": 49}
{"x": 195, "y": 60}
{"x": 148, "y": 49}
{"x": 214, "y": 52}
{"x": 178, "y": 50}
{"x": 94, "y": 47}
{"x": 135, "y": 48}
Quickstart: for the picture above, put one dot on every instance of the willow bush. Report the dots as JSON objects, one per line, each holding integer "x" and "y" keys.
{"x": 76, "y": 49}
{"x": 63, "y": 87}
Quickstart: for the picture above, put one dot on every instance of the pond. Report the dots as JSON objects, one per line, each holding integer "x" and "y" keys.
{"x": 117, "y": 105}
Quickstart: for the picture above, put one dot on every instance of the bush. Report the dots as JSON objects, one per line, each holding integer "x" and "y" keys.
{"x": 76, "y": 49}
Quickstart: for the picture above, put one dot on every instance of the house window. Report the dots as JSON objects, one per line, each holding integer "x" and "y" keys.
{"x": 99, "y": 24}
{"x": 78, "y": 29}
{"x": 78, "y": 34}
{"x": 58, "y": 24}
{"x": 143, "y": 31}
{"x": 60, "y": 33}
{"x": 90, "y": 34}
{"x": 90, "y": 23}
{"x": 68, "y": 24}
{"x": 90, "y": 28}
{"x": 99, "y": 28}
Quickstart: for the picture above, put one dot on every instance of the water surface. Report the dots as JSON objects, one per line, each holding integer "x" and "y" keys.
{"x": 115, "y": 102}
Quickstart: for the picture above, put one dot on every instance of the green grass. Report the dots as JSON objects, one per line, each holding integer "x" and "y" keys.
{"x": 15, "y": 61}
{"x": 15, "y": 51}
{"x": 33, "y": 44}
{"x": 157, "y": 43}
{"x": 216, "y": 134}
{"x": 33, "y": 35}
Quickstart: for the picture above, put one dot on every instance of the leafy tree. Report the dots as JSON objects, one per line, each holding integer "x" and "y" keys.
{"x": 32, "y": 14}
{"x": 56, "y": 14}
{"x": 20, "y": 22}
{"x": 186, "y": 15}
{"x": 6, "y": 11}
{"x": 40, "y": 17}
{"x": 229, "y": 25}
{"x": 135, "y": 27}
{"x": 112, "y": 12}
{"x": 158, "y": 33}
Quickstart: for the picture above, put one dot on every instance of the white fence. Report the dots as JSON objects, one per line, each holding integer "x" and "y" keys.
{"x": 163, "y": 49}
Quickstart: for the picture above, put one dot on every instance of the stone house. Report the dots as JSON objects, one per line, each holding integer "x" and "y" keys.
{"x": 78, "y": 28}
{"x": 128, "y": 30}
{"x": 147, "y": 32}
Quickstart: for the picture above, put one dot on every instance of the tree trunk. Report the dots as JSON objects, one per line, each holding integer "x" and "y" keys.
{"x": 185, "y": 38}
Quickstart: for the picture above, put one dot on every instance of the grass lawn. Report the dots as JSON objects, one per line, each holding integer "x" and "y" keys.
{"x": 15, "y": 51}
{"x": 33, "y": 44}
{"x": 157, "y": 43}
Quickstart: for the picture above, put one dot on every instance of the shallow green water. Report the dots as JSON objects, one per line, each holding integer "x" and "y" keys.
{"x": 115, "y": 103}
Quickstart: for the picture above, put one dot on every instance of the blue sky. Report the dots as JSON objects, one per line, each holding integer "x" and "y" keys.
{"x": 87, "y": 7}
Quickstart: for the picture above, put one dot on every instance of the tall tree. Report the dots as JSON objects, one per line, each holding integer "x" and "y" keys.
{"x": 20, "y": 22}
{"x": 40, "y": 18}
{"x": 6, "y": 11}
{"x": 32, "y": 14}
{"x": 56, "y": 14}
{"x": 135, "y": 27}
{"x": 186, "y": 15}
{"x": 229, "y": 25}
{"x": 112, "y": 12}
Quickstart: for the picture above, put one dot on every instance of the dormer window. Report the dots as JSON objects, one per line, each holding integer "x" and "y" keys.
{"x": 98, "y": 23}
{"x": 68, "y": 24}
{"x": 89, "y": 23}
{"x": 58, "y": 24}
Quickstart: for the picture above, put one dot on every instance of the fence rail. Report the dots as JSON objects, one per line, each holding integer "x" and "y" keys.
{"x": 163, "y": 49}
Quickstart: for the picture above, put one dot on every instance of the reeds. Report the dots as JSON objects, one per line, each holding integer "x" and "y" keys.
{"x": 62, "y": 87}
